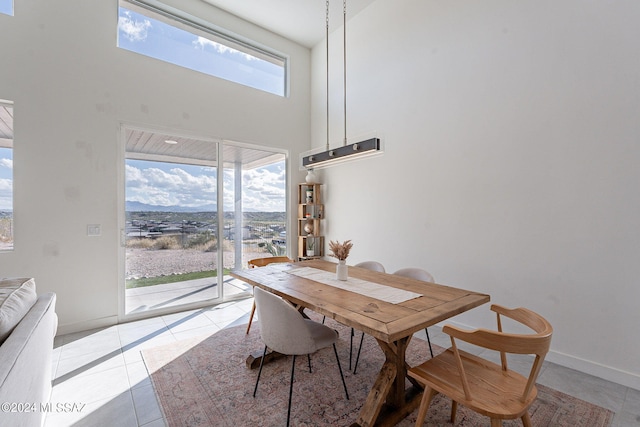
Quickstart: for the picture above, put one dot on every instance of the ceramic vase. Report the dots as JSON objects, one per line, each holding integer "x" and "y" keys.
{"x": 342, "y": 270}
{"x": 311, "y": 177}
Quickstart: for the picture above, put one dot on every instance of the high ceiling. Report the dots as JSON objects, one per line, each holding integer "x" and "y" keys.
{"x": 302, "y": 21}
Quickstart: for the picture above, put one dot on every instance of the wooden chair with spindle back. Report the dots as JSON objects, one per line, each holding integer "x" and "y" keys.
{"x": 481, "y": 385}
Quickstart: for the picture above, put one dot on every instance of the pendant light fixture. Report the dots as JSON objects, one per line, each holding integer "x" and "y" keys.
{"x": 346, "y": 151}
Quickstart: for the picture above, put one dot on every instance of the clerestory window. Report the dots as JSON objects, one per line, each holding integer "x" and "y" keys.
{"x": 6, "y": 7}
{"x": 148, "y": 29}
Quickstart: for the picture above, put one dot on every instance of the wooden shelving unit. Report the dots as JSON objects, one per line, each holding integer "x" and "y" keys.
{"x": 310, "y": 217}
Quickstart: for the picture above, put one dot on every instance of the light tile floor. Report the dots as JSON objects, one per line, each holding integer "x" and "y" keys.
{"x": 103, "y": 369}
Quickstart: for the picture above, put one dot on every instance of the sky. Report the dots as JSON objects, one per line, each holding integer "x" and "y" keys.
{"x": 170, "y": 184}
{"x": 6, "y": 178}
{"x": 156, "y": 39}
{"x": 6, "y": 6}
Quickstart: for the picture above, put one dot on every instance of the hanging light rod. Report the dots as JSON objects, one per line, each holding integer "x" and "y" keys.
{"x": 342, "y": 153}
{"x": 345, "y": 152}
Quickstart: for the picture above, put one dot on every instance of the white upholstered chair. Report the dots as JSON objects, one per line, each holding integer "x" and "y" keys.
{"x": 371, "y": 265}
{"x": 415, "y": 273}
{"x": 261, "y": 262}
{"x": 284, "y": 330}
{"x": 418, "y": 274}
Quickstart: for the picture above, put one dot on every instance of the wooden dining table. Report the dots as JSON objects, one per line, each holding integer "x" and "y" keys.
{"x": 363, "y": 303}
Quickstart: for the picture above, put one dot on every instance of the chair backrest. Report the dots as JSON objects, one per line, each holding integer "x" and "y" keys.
{"x": 371, "y": 265}
{"x": 261, "y": 262}
{"x": 537, "y": 343}
{"x": 282, "y": 327}
{"x": 415, "y": 273}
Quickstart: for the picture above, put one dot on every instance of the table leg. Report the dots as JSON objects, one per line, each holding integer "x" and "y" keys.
{"x": 253, "y": 360}
{"x": 372, "y": 406}
{"x": 388, "y": 401}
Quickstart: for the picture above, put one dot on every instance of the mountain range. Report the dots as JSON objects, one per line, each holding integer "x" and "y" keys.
{"x": 144, "y": 207}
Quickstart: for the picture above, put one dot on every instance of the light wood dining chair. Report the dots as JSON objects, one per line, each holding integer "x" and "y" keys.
{"x": 283, "y": 329}
{"x": 261, "y": 262}
{"x": 418, "y": 274}
{"x": 481, "y": 385}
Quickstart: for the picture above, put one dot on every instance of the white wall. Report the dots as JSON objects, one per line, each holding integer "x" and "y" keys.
{"x": 511, "y": 134}
{"x": 72, "y": 88}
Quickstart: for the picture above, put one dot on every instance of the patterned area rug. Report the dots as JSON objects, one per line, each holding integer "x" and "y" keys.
{"x": 205, "y": 382}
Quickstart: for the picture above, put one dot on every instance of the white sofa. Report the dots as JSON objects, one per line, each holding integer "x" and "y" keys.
{"x": 25, "y": 354}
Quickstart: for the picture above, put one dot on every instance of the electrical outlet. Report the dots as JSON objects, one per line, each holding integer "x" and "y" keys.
{"x": 93, "y": 230}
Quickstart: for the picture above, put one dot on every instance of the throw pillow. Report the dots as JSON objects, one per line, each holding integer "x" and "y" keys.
{"x": 17, "y": 296}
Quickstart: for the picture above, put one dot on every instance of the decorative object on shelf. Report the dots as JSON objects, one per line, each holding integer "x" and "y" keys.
{"x": 309, "y": 195}
{"x": 358, "y": 149}
{"x": 341, "y": 251}
{"x": 311, "y": 242}
{"x": 311, "y": 176}
{"x": 308, "y": 227}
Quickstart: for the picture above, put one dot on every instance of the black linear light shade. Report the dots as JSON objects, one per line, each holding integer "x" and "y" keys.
{"x": 344, "y": 152}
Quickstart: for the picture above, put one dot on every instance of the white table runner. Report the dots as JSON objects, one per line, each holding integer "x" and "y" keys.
{"x": 352, "y": 284}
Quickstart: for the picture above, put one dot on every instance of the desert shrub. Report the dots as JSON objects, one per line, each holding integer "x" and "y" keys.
{"x": 140, "y": 242}
{"x": 210, "y": 246}
{"x": 200, "y": 240}
{"x": 166, "y": 242}
{"x": 276, "y": 250}
{"x": 6, "y": 231}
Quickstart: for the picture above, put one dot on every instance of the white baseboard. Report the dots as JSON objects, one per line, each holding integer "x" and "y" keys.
{"x": 608, "y": 373}
{"x": 69, "y": 328}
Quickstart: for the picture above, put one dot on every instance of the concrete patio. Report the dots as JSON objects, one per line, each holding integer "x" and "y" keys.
{"x": 187, "y": 292}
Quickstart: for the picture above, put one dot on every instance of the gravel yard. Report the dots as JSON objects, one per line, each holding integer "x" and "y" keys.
{"x": 152, "y": 263}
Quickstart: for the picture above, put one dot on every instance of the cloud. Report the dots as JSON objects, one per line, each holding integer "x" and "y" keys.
{"x": 202, "y": 43}
{"x": 133, "y": 29}
{"x": 6, "y": 185}
{"x": 169, "y": 187}
{"x": 262, "y": 189}
{"x": 6, "y": 163}
{"x": 6, "y": 194}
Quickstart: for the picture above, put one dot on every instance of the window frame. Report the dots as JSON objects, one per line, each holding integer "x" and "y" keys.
{"x": 9, "y": 144}
{"x": 201, "y": 28}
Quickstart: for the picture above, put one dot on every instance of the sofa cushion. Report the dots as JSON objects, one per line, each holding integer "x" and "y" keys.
{"x": 17, "y": 296}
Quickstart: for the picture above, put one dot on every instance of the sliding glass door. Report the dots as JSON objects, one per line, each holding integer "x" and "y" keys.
{"x": 194, "y": 210}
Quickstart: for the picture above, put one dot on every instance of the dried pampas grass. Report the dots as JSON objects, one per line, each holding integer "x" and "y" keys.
{"x": 340, "y": 250}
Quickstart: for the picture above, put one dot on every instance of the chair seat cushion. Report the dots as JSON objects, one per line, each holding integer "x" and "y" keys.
{"x": 322, "y": 335}
{"x": 495, "y": 393}
{"x": 17, "y": 296}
